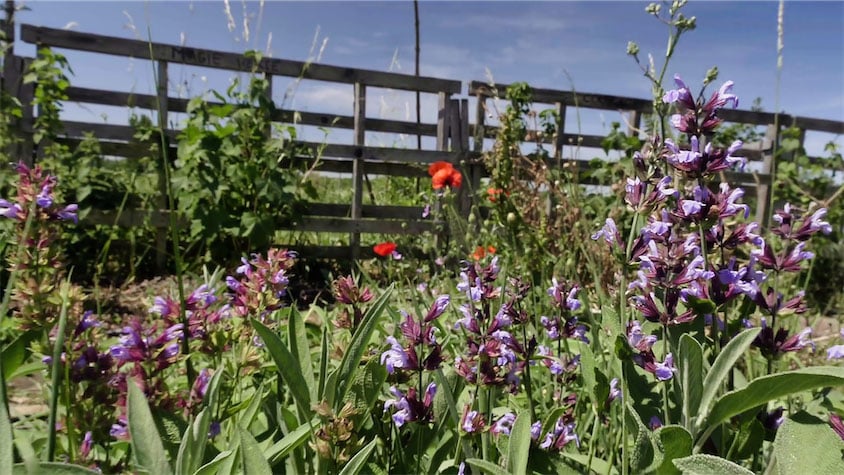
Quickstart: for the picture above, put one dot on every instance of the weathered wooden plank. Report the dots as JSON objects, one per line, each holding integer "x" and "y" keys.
{"x": 146, "y": 101}
{"x": 128, "y": 218}
{"x": 161, "y": 219}
{"x": 551, "y": 96}
{"x": 358, "y": 165}
{"x": 367, "y": 211}
{"x": 361, "y": 226}
{"x": 231, "y": 61}
{"x": 443, "y": 117}
{"x": 603, "y": 101}
{"x": 121, "y": 133}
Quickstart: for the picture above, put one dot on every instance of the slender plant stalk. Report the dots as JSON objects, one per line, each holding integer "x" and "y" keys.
{"x": 174, "y": 229}
{"x": 57, "y": 368}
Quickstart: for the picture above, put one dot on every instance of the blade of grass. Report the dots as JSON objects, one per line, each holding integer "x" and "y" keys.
{"x": 57, "y": 370}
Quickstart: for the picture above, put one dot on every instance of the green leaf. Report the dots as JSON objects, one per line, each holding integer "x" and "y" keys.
{"x": 299, "y": 346}
{"x": 749, "y": 440}
{"x": 366, "y": 388}
{"x": 644, "y": 454}
{"x": 290, "y": 442}
{"x": 210, "y": 468}
{"x": 356, "y": 463}
{"x": 6, "y": 445}
{"x": 587, "y": 369}
{"x": 519, "y": 448}
{"x": 690, "y": 377}
{"x": 722, "y": 367}
{"x": 701, "y": 306}
{"x": 51, "y": 468}
{"x": 247, "y": 416}
{"x": 288, "y": 367}
{"x": 357, "y": 347}
{"x": 254, "y": 462}
{"x": 709, "y": 465}
{"x": 487, "y": 467}
{"x": 192, "y": 448}
{"x": 598, "y": 465}
{"x": 15, "y": 353}
{"x": 323, "y": 364}
{"x": 147, "y": 448}
{"x": 763, "y": 389}
{"x": 804, "y": 441}
{"x": 675, "y": 442}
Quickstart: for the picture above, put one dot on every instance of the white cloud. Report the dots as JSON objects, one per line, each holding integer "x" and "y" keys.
{"x": 534, "y": 21}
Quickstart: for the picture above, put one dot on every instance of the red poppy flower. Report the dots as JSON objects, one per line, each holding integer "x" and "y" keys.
{"x": 481, "y": 252}
{"x": 437, "y": 166}
{"x": 384, "y": 249}
{"x": 446, "y": 177}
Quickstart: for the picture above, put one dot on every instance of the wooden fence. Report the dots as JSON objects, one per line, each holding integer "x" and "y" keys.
{"x": 452, "y": 131}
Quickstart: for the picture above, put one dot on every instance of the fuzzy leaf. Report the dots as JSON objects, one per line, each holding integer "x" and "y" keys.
{"x": 488, "y": 468}
{"x": 211, "y": 467}
{"x": 298, "y": 436}
{"x": 299, "y": 347}
{"x": 731, "y": 352}
{"x": 763, "y": 389}
{"x": 805, "y": 441}
{"x": 288, "y": 367}
{"x": 147, "y": 448}
{"x": 690, "y": 377}
{"x": 675, "y": 442}
{"x": 702, "y": 464}
{"x": 6, "y": 447}
{"x": 254, "y": 462}
{"x": 51, "y": 468}
{"x": 519, "y": 448}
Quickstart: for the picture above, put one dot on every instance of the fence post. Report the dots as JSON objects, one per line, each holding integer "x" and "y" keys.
{"x": 559, "y": 140}
{"x": 764, "y": 189}
{"x": 443, "y": 116}
{"x": 163, "y": 185}
{"x": 473, "y": 176}
{"x": 357, "y": 167}
{"x": 269, "y": 130}
{"x": 27, "y": 94}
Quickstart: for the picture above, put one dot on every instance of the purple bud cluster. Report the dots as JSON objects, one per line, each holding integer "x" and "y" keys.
{"x": 34, "y": 185}
{"x": 260, "y": 283}
{"x": 419, "y": 351}
{"x": 347, "y": 292}
{"x": 493, "y": 357}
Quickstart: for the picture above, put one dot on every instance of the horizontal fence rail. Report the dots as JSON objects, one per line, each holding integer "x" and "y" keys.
{"x": 453, "y": 131}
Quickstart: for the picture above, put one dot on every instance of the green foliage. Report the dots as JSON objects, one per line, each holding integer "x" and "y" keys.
{"x": 702, "y": 464}
{"x": 149, "y": 454}
{"x": 792, "y": 453}
{"x": 237, "y": 174}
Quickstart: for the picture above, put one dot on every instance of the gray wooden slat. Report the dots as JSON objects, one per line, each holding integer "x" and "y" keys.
{"x": 146, "y": 101}
{"x": 361, "y": 226}
{"x": 367, "y": 211}
{"x": 551, "y": 96}
{"x": 231, "y": 61}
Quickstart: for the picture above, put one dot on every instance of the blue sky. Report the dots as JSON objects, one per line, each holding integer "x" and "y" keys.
{"x": 556, "y": 45}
